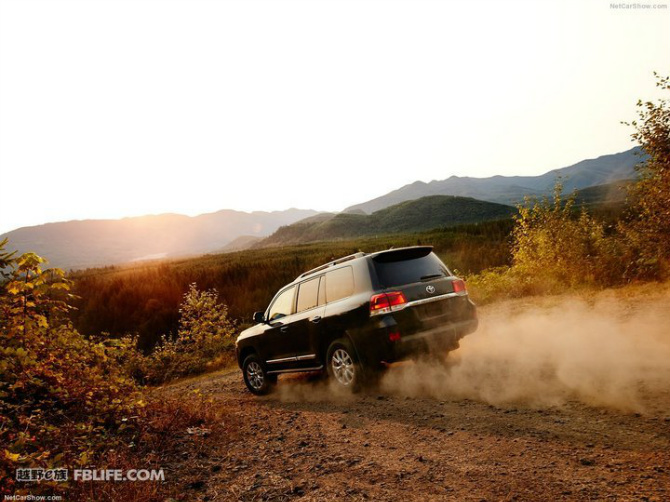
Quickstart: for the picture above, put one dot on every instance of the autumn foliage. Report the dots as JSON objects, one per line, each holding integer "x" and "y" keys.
{"x": 647, "y": 226}
{"x": 71, "y": 401}
{"x": 62, "y": 397}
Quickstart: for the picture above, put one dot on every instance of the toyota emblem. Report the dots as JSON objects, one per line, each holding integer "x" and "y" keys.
{"x": 430, "y": 289}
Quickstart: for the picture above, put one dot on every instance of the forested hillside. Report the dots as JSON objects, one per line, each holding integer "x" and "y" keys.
{"x": 427, "y": 213}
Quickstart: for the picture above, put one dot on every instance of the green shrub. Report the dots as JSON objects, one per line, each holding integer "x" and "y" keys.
{"x": 205, "y": 340}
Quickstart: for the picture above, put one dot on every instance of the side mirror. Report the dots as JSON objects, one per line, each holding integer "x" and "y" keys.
{"x": 259, "y": 317}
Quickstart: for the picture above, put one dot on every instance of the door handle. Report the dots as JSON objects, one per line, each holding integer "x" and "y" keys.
{"x": 283, "y": 329}
{"x": 315, "y": 319}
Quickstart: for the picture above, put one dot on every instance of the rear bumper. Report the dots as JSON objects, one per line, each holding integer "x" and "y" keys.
{"x": 440, "y": 339}
{"x": 376, "y": 346}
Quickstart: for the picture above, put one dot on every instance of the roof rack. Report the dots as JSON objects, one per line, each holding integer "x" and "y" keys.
{"x": 331, "y": 264}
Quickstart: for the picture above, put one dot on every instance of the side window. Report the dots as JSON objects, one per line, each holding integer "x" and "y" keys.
{"x": 339, "y": 284}
{"x": 283, "y": 305}
{"x": 308, "y": 294}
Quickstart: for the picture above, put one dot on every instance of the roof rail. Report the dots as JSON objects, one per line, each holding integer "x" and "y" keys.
{"x": 331, "y": 264}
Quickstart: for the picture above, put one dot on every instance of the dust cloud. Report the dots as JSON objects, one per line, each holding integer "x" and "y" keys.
{"x": 311, "y": 389}
{"x": 604, "y": 351}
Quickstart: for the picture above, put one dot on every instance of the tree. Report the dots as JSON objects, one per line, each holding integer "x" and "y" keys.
{"x": 647, "y": 227}
{"x": 204, "y": 340}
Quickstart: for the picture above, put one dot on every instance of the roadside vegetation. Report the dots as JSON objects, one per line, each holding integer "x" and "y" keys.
{"x": 76, "y": 351}
{"x": 203, "y": 342}
{"x": 557, "y": 248}
{"x": 554, "y": 248}
{"x": 67, "y": 400}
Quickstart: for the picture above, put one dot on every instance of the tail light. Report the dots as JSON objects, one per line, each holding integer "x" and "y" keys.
{"x": 459, "y": 286}
{"x": 385, "y": 303}
{"x": 394, "y": 335}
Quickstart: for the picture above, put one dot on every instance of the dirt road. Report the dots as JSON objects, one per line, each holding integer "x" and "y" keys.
{"x": 303, "y": 443}
{"x": 381, "y": 447}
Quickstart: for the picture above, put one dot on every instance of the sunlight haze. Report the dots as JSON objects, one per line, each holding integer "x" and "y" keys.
{"x": 111, "y": 109}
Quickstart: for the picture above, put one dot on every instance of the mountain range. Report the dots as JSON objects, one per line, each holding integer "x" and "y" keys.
{"x": 90, "y": 243}
{"x": 512, "y": 189}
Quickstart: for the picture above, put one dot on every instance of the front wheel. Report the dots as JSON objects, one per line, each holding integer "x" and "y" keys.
{"x": 255, "y": 376}
{"x": 343, "y": 366}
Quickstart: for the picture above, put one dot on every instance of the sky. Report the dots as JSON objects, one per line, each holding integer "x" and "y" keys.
{"x": 121, "y": 108}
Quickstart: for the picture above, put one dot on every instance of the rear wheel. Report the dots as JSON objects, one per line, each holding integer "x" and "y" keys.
{"x": 343, "y": 366}
{"x": 255, "y": 376}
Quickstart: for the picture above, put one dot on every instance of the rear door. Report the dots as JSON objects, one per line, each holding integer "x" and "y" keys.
{"x": 426, "y": 283}
{"x": 307, "y": 324}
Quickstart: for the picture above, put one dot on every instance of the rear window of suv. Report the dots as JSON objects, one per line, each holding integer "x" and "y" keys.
{"x": 406, "y": 270}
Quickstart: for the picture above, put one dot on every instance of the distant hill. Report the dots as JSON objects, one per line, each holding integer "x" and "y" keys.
{"x": 89, "y": 243}
{"x": 412, "y": 216}
{"x": 512, "y": 189}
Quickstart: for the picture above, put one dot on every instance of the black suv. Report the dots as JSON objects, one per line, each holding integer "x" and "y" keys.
{"x": 354, "y": 314}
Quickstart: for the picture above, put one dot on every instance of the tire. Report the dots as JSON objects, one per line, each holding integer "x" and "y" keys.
{"x": 255, "y": 376}
{"x": 343, "y": 366}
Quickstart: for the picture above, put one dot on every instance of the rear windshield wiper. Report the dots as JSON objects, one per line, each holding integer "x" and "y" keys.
{"x": 431, "y": 276}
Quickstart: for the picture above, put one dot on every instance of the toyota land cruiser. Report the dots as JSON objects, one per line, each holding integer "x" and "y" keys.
{"x": 351, "y": 316}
